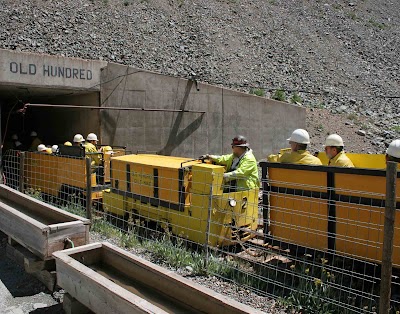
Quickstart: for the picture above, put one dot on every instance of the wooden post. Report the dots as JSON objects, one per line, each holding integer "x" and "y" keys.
{"x": 89, "y": 188}
{"x": 21, "y": 172}
{"x": 388, "y": 235}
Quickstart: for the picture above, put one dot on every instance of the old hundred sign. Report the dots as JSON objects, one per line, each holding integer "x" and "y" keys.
{"x": 19, "y": 68}
{"x": 51, "y": 71}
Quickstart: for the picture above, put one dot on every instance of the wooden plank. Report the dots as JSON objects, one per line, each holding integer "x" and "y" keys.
{"x": 25, "y": 230}
{"x": 76, "y": 234}
{"x": 96, "y": 292}
{"x": 171, "y": 284}
{"x": 161, "y": 280}
{"x": 40, "y": 207}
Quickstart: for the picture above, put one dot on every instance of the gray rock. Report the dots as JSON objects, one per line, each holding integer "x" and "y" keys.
{"x": 361, "y": 132}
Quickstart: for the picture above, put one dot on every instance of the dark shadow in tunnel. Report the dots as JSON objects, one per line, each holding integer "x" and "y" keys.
{"x": 175, "y": 137}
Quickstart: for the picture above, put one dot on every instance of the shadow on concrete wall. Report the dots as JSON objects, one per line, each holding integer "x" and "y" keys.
{"x": 176, "y": 137}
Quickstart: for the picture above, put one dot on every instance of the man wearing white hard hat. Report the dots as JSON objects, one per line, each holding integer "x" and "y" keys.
{"x": 35, "y": 141}
{"x": 393, "y": 151}
{"x": 54, "y": 149}
{"x": 78, "y": 140}
{"x": 43, "y": 149}
{"x": 334, "y": 151}
{"x": 91, "y": 150}
{"x": 299, "y": 155}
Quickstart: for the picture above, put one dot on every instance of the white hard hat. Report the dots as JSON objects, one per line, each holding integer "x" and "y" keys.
{"x": 33, "y": 133}
{"x": 41, "y": 147}
{"x": 54, "y": 148}
{"x": 14, "y": 137}
{"x": 394, "y": 149}
{"x": 18, "y": 143}
{"x": 334, "y": 140}
{"x": 300, "y": 136}
{"x": 91, "y": 137}
{"x": 78, "y": 138}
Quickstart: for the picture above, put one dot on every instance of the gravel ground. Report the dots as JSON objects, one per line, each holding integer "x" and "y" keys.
{"x": 355, "y": 131}
{"x": 21, "y": 293}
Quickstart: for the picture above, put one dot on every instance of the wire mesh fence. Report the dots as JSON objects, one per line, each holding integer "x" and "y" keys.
{"x": 311, "y": 238}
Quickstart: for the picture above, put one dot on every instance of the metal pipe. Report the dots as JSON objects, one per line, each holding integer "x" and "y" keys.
{"x": 106, "y": 108}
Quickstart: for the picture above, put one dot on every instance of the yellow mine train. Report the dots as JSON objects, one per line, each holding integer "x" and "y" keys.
{"x": 329, "y": 209}
{"x": 61, "y": 176}
{"x": 184, "y": 194}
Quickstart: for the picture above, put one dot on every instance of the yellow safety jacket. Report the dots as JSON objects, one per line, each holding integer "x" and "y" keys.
{"x": 246, "y": 172}
{"x": 301, "y": 157}
{"x": 341, "y": 160}
{"x": 90, "y": 148}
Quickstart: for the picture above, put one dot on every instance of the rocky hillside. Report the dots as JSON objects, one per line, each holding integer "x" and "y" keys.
{"x": 340, "y": 57}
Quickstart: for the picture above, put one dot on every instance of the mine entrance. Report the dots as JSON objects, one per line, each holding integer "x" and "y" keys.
{"x": 54, "y": 125}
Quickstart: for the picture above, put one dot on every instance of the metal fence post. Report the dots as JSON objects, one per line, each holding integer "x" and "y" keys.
{"x": 388, "y": 235}
{"x": 89, "y": 188}
{"x": 21, "y": 172}
{"x": 209, "y": 210}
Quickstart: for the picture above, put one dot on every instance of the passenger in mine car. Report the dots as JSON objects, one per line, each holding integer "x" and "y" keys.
{"x": 78, "y": 140}
{"x": 241, "y": 166}
{"x": 393, "y": 151}
{"x": 298, "y": 154}
{"x": 334, "y": 149}
{"x": 35, "y": 141}
{"x": 90, "y": 148}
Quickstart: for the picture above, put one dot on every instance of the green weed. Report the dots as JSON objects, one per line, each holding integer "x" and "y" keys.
{"x": 353, "y": 16}
{"x": 257, "y": 91}
{"x": 295, "y": 99}
{"x": 279, "y": 94}
{"x": 377, "y": 25}
{"x": 396, "y": 128}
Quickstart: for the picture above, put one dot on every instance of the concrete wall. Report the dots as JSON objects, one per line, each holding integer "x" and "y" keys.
{"x": 266, "y": 123}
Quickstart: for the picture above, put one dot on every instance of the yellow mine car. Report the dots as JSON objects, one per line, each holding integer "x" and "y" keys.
{"x": 62, "y": 176}
{"x": 330, "y": 209}
{"x": 183, "y": 194}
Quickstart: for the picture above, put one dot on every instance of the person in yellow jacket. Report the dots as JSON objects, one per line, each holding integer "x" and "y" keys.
{"x": 241, "y": 166}
{"x": 35, "y": 141}
{"x": 299, "y": 155}
{"x": 90, "y": 149}
{"x": 334, "y": 151}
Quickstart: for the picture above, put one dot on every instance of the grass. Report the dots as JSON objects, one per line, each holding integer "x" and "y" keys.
{"x": 377, "y": 25}
{"x": 353, "y": 16}
{"x": 279, "y": 94}
{"x": 257, "y": 91}
{"x": 296, "y": 99}
{"x": 396, "y": 128}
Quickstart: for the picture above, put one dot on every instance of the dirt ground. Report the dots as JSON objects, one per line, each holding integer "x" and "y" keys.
{"x": 21, "y": 293}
